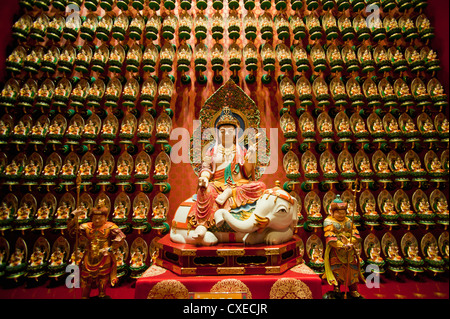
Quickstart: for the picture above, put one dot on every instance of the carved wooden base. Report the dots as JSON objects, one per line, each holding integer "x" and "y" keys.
{"x": 227, "y": 259}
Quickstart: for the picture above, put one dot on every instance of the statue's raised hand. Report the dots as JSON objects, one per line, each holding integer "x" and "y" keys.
{"x": 203, "y": 181}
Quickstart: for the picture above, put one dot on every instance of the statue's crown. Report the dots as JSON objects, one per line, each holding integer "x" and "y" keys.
{"x": 337, "y": 203}
{"x": 100, "y": 209}
{"x": 227, "y": 118}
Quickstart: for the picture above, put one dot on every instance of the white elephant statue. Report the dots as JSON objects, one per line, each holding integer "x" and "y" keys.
{"x": 272, "y": 222}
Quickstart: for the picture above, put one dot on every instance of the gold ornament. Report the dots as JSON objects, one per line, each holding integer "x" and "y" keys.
{"x": 231, "y": 285}
{"x": 290, "y": 288}
{"x": 168, "y": 289}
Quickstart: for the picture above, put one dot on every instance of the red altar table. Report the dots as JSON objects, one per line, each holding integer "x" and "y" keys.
{"x": 259, "y": 271}
{"x": 299, "y": 282}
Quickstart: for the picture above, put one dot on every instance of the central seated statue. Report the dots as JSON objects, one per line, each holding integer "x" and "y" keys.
{"x": 226, "y": 179}
{"x": 230, "y": 204}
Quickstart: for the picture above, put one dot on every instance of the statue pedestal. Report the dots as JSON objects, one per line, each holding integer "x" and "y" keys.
{"x": 228, "y": 258}
{"x": 299, "y": 282}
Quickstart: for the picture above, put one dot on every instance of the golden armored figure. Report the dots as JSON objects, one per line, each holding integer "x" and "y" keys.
{"x": 98, "y": 265}
{"x": 341, "y": 259}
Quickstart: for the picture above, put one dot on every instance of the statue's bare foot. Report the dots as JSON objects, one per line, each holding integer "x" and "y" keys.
{"x": 199, "y": 232}
{"x": 221, "y": 199}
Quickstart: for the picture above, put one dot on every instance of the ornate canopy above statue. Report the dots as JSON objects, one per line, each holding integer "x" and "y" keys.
{"x": 244, "y": 110}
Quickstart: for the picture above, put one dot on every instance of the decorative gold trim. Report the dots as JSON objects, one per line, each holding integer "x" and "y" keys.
{"x": 273, "y": 269}
{"x": 230, "y": 270}
{"x": 153, "y": 271}
{"x": 159, "y": 262}
{"x": 271, "y": 251}
{"x": 168, "y": 289}
{"x": 230, "y": 252}
{"x": 231, "y": 285}
{"x": 188, "y": 271}
{"x": 185, "y": 252}
{"x": 303, "y": 269}
{"x": 290, "y": 288}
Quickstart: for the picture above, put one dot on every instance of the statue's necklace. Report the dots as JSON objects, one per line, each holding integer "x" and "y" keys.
{"x": 227, "y": 153}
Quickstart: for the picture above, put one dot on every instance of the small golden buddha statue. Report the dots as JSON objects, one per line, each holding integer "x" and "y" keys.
{"x": 108, "y": 128}
{"x": 424, "y": 207}
{"x": 416, "y": 166}
{"x": 374, "y": 254}
{"x": 388, "y": 207}
{"x": 50, "y": 169}
{"x": 326, "y": 126}
{"x": 360, "y": 127}
{"x": 393, "y": 253}
{"x": 365, "y": 166}
{"x": 24, "y": 212}
{"x": 12, "y": 168}
{"x": 123, "y": 169}
{"x": 383, "y": 166}
{"x": 409, "y": 126}
{"x": 436, "y": 166}
{"x": 90, "y": 128}
{"x": 369, "y": 208}
{"x": 31, "y": 169}
{"x": 37, "y": 257}
{"x": 311, "y": 166}
{"x": 314, "y": 209}
{"x": 329, "y": 167}
{"x": 85, "y": 169}
{"x": 308, "y": 125}
{"x": 347, "y": 166}
{"x": 68, "y": 168}
{"x": 141, "y": 167}
{"x": 57, "y": 257}
{"x": 104, "y": 169}
{"x": 43, "y": 212}
{"x": 159, "y": 211}
{"x": 413, "y": 253}
{"x": 120, "y": 211}
{"x": 140, "y": 212}
{"x": 160, "y": 168}
{"x": 16, "y": 257}
{"x": 405, "y": 207}
{"x": 63, "y": 211}
{"x": 399, "y": 166}
{"x": 144, "y": 127}
{"x": 291, "y": 167}
{"x": 377, "y": 126}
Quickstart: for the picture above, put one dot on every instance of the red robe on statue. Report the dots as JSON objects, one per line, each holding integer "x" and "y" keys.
{"x": 244, "y": 189}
